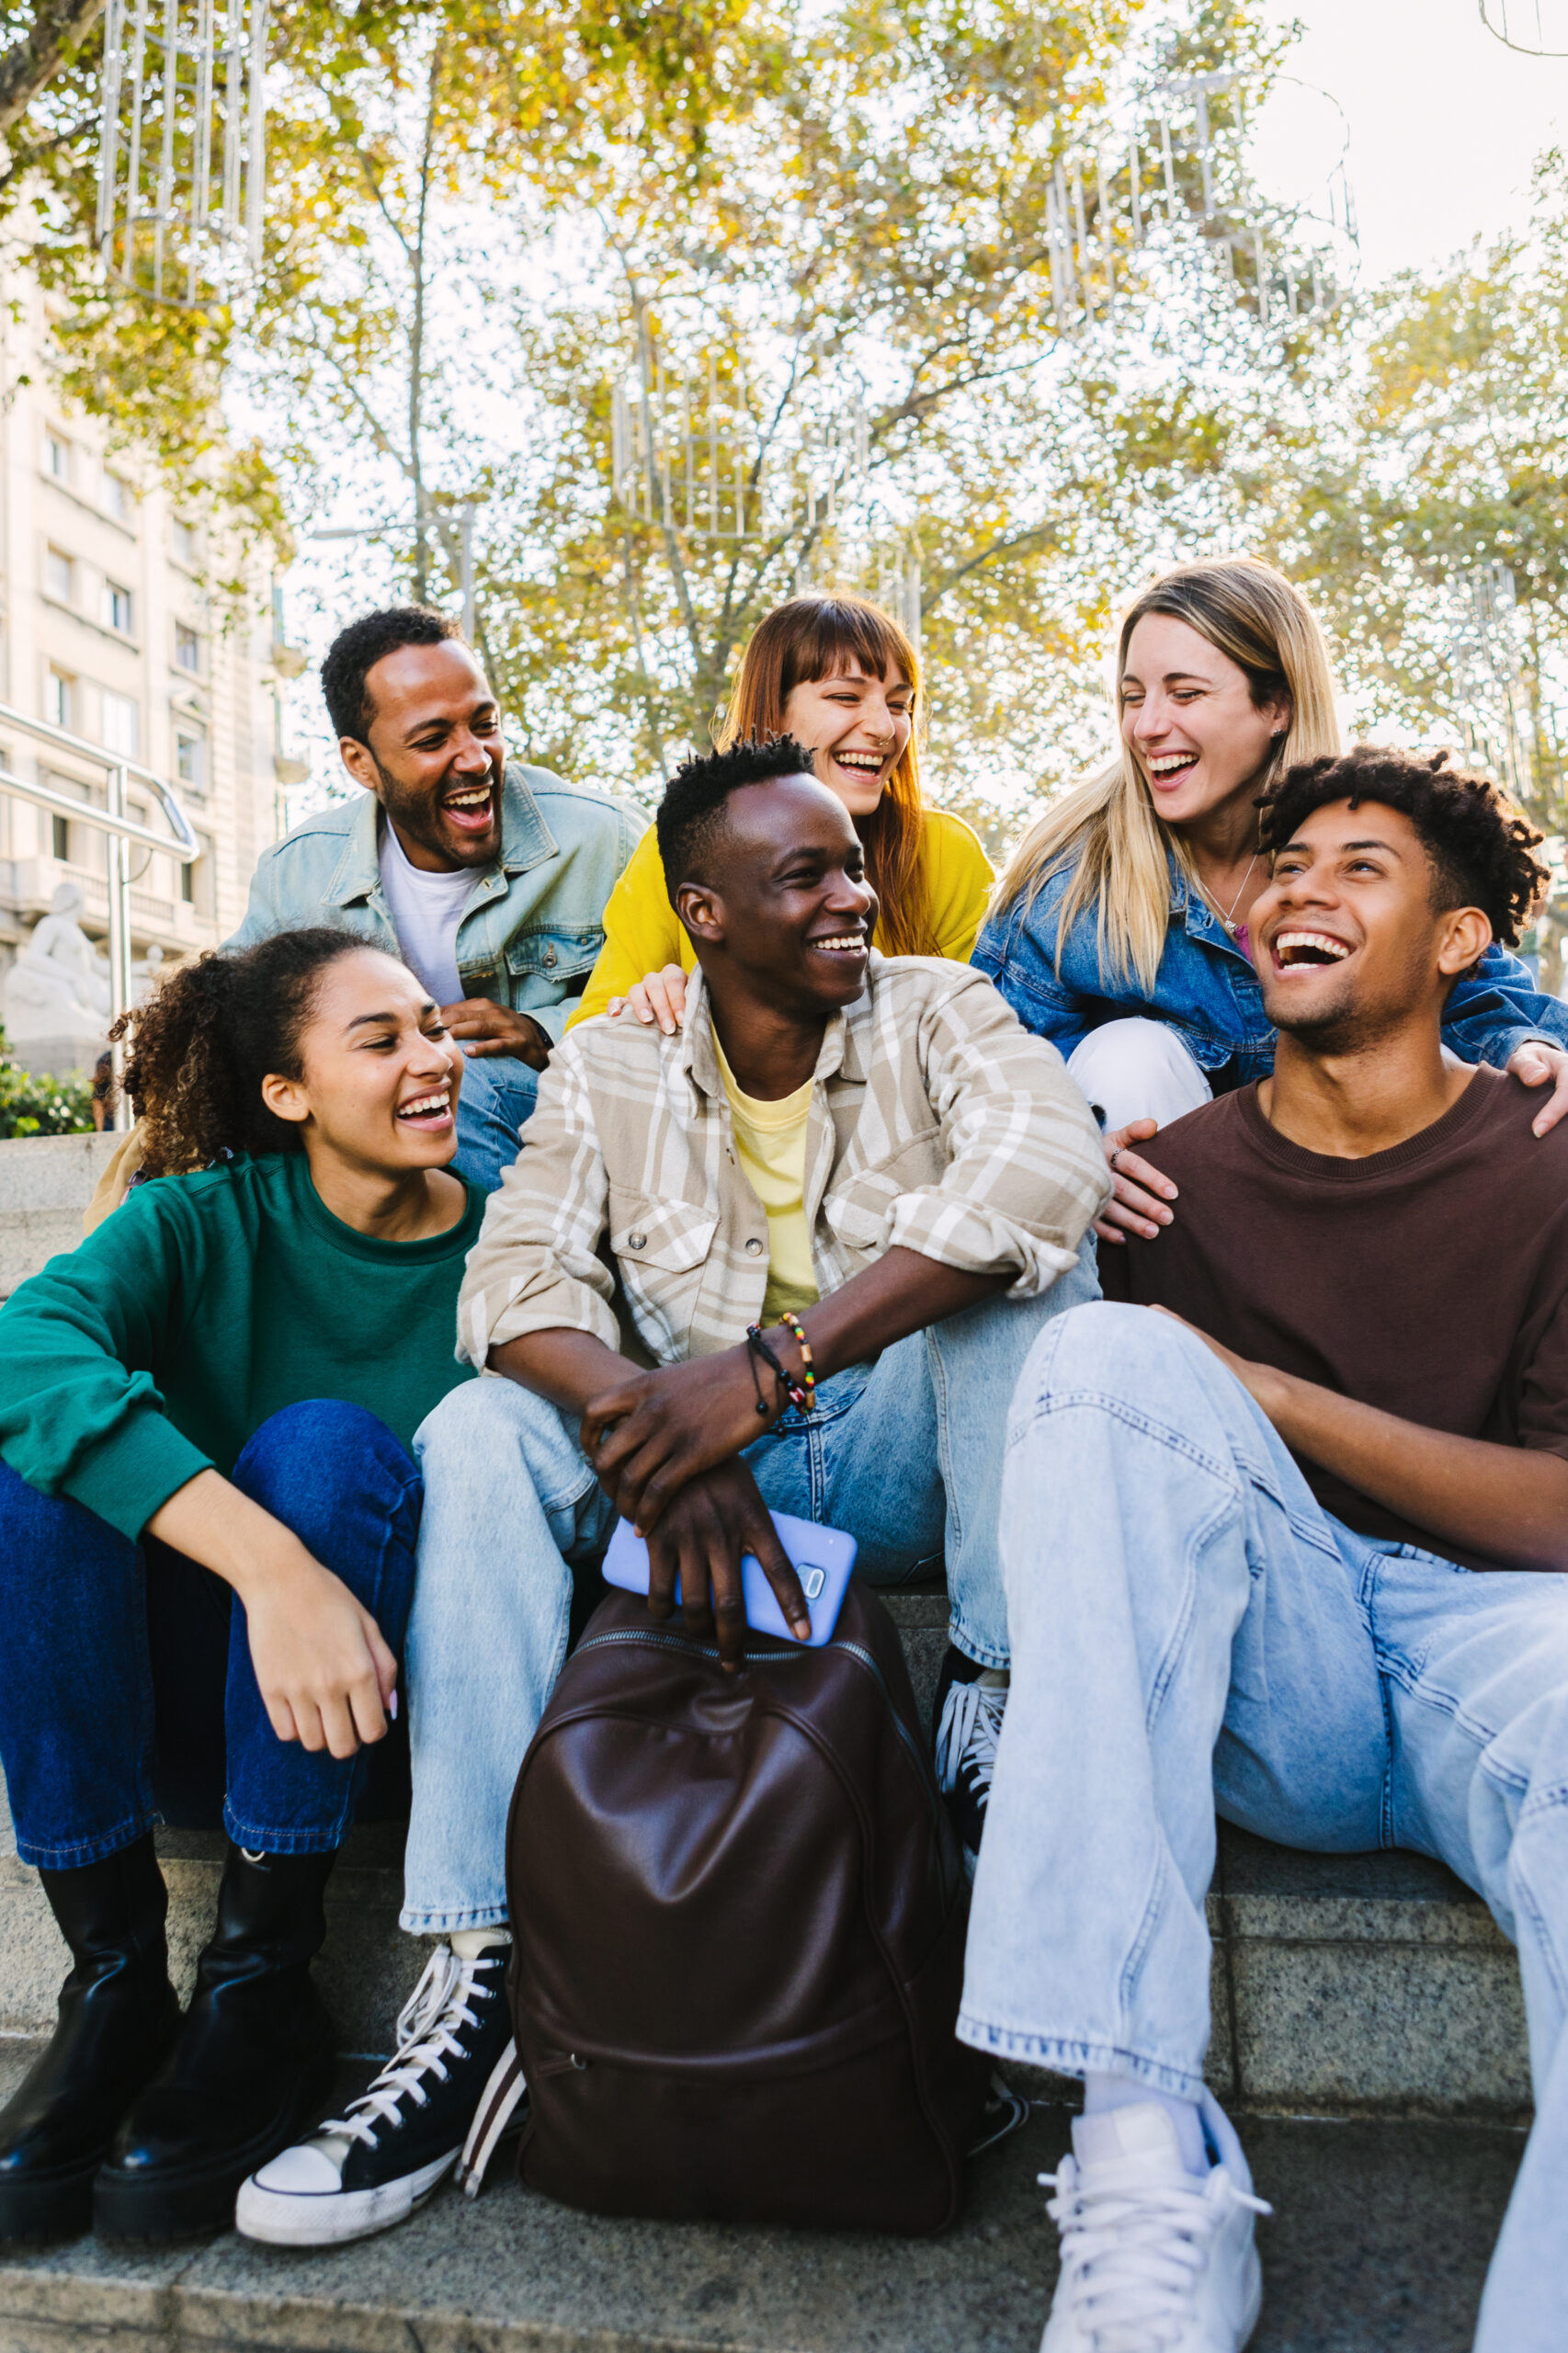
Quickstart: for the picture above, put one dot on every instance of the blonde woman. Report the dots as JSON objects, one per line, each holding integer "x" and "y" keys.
{"x": 1119, "y": 931}
{"x": 838, "y": 674}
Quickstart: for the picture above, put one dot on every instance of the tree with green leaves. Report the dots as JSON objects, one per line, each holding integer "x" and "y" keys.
{"x": 1413, "y": 482}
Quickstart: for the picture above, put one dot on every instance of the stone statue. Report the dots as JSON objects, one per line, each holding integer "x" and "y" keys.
{"x": 56, "y": 998}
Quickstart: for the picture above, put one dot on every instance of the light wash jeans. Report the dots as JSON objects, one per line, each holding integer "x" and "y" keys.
{"x": 1138, "y": 1068}
{"x": 497, "y": 1095}
{"x": 905, "y": 1454}
{"x": 1191, "y": 1630}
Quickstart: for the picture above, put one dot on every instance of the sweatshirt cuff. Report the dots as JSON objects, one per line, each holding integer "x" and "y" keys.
{"x": 130, "y": 1472}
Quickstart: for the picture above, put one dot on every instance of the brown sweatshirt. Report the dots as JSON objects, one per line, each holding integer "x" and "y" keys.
{"x": 1430, "y": 1280}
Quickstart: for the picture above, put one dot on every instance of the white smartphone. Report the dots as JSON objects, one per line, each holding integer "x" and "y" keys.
{"x": 823, "y": 1558}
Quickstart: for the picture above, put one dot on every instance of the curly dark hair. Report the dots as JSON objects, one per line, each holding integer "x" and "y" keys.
{"x": 1476, "y": 842}
{"x": 209, "y": 1034}
{"x": 691, "y": 817}
{"x": 356, "y": 650}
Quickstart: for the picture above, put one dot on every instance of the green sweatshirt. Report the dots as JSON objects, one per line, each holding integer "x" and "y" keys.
{"x": 158, "y": 1346}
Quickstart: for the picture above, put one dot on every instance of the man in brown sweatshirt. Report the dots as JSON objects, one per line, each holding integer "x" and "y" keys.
{"x": 1311, "y": 1571}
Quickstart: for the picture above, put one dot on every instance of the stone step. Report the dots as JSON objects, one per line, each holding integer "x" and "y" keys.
{"x": 46, "y": 1182}
{"x": 1343, "y": 1984}
{"x": 1378, "y": 2243}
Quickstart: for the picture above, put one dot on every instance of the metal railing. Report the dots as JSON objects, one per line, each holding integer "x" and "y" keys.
{"x": 119, "y": 832}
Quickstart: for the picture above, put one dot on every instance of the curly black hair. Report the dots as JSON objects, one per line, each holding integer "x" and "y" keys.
{"x": 691, "y": 817}
{"x": 209, "y": 1035}
{"x": 1476, "y": 842}
{"x": 356, "y": 650}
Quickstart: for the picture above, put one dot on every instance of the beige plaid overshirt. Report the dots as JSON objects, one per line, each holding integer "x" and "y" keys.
{"x": 937, "y": 1122}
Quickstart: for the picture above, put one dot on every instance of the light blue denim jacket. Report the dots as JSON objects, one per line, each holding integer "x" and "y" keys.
{"x": 531, "y": 934}
{"x": 1207, "y": 990}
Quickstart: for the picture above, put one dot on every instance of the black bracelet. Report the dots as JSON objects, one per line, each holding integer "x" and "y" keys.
{"x": 762, "y": 1404}
{"x": 791, "y": 1389}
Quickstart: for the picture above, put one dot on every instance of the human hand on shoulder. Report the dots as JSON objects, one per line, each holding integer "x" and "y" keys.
{"x": 701, "y": 1539}
{"x": 483, "y": 1027}
{"x": 1534, "y": 1063}
{"x": 657, "y": 996}
{"x": 1140, "y": 1193}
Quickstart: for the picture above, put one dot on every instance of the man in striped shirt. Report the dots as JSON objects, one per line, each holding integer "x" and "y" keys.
{"x": 873, "y": 1147}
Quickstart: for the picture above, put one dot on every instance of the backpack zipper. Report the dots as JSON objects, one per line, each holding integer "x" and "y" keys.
{"x": 800, "y": 1650}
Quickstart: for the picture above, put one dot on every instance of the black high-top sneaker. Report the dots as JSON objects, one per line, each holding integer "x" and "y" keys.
{"x": 252, "y": 2064}
{"x": 966, "y": 1720}
{"x": 117, "y": 2016}
{"x": 389, "y": 2150}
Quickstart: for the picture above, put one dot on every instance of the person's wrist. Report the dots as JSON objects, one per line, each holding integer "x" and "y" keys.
{"x": 797, "y": 1355}
{"x": 266, "y": 1566}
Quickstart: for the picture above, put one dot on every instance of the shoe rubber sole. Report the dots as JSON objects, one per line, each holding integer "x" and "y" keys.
{"x": 61, "y": 2208}
{"x": 198, "y": 2200}
{"x": 291, "y": 2218}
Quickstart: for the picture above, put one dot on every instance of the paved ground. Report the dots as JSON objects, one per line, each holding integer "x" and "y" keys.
{"x": 1379, "y": 2245}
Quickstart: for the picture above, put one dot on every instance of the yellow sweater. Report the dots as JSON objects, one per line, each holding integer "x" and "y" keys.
{"x": 643, "y": 933}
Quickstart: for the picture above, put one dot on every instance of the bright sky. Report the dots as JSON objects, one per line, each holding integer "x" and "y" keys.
{"x": 1444, "y": 120}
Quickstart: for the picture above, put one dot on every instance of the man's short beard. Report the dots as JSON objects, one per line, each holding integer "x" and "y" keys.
{"x": 413, "y": 813}
{"x": 1350, "y": 1030}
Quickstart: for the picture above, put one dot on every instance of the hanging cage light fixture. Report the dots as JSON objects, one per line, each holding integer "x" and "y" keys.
{"x": 1534, "y": 27}
{"x": 182, "y": 148}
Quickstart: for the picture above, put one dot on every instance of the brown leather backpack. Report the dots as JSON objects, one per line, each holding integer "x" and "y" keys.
{"x": 739, "y": 1909}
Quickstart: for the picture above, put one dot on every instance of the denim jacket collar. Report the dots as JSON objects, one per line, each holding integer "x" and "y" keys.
{"x": 846, "y": 1047}
{"x": 526, "y": 841}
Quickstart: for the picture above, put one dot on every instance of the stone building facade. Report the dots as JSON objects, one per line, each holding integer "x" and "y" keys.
{"x": 108, "y": 629}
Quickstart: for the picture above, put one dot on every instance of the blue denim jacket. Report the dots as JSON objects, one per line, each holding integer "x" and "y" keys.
{"x": 1207, "y": 989}
{"x": 532, "y": 931}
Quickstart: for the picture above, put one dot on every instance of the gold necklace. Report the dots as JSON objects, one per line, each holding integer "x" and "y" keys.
{"x": 1232, "y": 927}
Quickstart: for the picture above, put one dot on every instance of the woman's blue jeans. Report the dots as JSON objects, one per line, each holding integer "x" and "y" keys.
{"x": 127, "y": 1692}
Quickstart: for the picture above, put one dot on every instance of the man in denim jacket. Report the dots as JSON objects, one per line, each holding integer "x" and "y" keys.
{"x": 487, "y": 877}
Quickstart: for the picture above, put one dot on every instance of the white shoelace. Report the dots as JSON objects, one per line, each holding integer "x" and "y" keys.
{"x": 1134, "y": 2249}
{"x": 966, "y": 1741}
{"x": 427, "y": 2037}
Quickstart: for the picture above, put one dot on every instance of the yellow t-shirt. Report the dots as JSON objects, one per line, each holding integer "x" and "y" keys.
{"x": 771, "y": 1140}
{"x": 643, "y": 933}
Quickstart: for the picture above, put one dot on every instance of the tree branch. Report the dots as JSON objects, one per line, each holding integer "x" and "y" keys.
{"x": 58, "y": 27}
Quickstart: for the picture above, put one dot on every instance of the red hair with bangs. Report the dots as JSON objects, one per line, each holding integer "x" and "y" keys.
{"x": 820, "y": 637}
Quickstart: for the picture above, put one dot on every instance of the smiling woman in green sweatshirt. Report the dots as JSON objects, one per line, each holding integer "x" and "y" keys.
{"x": 208, "y": 1514}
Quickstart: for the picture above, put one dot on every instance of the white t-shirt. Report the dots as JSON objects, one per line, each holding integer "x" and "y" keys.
{"x": 425, "y": 911}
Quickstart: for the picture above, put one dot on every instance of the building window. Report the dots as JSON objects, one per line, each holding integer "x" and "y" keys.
{"x": 58, "y": 576}
{"x": 117, "y": 608}
{"x": 60, "y": 699}
{"x": 57, "y": 456}
{"x": 187, "y": 758}
{"x": 183, "y": 538}
{"x": 118, "y": 497}
{"x": 79, "y": 845}
{"x": 188, "y": 646}
{"x": 196, "y": 880}
{"x": 121, "y": 730}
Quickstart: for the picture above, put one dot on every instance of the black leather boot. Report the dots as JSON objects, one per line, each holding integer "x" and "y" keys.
{"x": 117, "y": 2016}
{"x": 251, "y": 2067}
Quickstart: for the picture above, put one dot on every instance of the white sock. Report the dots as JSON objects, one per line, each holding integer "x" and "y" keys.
{"x": 470, "y": 1943}
{"x": 1104, "y": 2092}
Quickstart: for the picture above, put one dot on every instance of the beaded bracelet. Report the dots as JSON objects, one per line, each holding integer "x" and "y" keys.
{"x": 799, "y": 1398}
{"x": 793, "y": 1326}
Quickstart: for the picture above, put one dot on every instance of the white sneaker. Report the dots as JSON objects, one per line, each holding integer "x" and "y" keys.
{"x": 1153, "y": 2260}
{"x": 376, "y": 2163}
{"x": 968, "y": 1726}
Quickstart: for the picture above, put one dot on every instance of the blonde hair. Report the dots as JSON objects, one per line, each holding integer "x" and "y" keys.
{"x": 816, "y": 637}
{"x": 1106, "y": 828}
